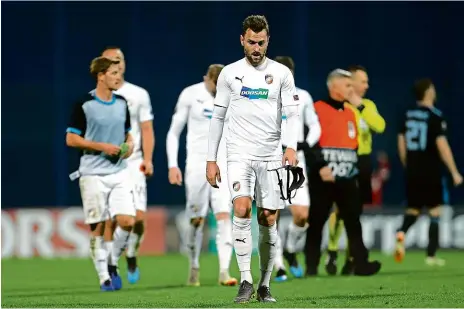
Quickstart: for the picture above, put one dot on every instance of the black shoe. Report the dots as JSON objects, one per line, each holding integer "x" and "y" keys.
{"x": 245, "y": 293}
{"x": 311, "y": 272}
{"x": 331, "y": 263}
{"x": 348, "y": 268}
{"x": 367, "y": 269}
{"x": 264, "y": 295}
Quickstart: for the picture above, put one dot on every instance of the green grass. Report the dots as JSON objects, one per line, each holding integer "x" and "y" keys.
{"x": 73, "y": 283}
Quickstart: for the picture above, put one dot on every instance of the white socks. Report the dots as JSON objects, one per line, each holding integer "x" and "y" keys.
{"x": 99, "y": 257}
{"x": 279, "y": 258}
{"x": 294, "y": 234}
{"x": 133, "y": 244}
{"x": 224, "y": 244}
{"x": 241, "y": 236}
{"x": 194, "y": 241}
{"x": 267, "y": 252}
{"x": 120, "y": 238}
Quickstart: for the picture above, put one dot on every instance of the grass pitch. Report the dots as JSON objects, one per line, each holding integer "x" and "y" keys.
{"x": 73, "y": 283}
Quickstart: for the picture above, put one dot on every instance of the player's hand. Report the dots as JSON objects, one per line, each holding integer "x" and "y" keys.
{"x": 213, "y": 173}
{"x": 354, "y": 99}
{"x": 290, "y": 157}
{"x": 457, "y": 179}
{"x": 175, "y": 176}
{"x": 110, "y": 149}
{"x": 326, "y": 174}
{"x": 130, "y": 150}
{"x": 147, "y": 168}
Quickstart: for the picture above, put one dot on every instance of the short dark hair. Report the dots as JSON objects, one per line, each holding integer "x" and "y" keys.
{"x": 110, "y": 47}
{"x": 420, "y": 87}
{"x": 287, "y": 61}
{"x": 256, "y": 23}
{"x": 101, "y": 65}
{"x": 355, "y": 68}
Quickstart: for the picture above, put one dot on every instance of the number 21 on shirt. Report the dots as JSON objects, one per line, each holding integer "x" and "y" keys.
{"x": 416, "y": 135}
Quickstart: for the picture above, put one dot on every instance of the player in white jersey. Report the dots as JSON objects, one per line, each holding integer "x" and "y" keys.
{"x": 299, "y": 207}
{"x": 253, "y": 92}
{"x": 139, "y": 164}
{"x": 194, "y": 108}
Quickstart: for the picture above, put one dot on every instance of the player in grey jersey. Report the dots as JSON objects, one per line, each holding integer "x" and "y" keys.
{"x": 99, "y": 127}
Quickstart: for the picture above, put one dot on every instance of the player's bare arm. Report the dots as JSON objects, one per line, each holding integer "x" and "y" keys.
{"x": 77, "y": 141}
{"x": 447, "y": 156}
{"x": 148, "y": 145}
{"x": 402, "y": 149}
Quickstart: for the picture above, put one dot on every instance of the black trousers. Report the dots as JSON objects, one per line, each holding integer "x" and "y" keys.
{"x": 345, "y": 193}
{"x": 365, "y": 175}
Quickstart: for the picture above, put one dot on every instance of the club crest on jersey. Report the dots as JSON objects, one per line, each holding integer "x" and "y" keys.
{"x": 351, "y": 130}
{"x": 254, "y": 94}
{"x": 236, "y": 186}
{"x": 207, "y": 113}
{"x": 269, "y": 78}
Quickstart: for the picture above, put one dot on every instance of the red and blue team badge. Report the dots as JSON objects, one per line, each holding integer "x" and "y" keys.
{"x": 236, "y": 186}
{"x": 269, "y": 78}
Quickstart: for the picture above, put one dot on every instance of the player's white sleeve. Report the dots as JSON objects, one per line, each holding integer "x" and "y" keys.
{"x": 179, "y": 119}
{"x": 290, "y": 101}
{"x": 312, "y": 121}
{"x": 221, "y": 103}
{"x": 292, "y": 127}
{"x": 145, "y": 112}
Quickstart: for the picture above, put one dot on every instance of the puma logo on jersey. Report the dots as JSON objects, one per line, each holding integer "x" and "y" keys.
{"x": 254, "y": 94}
{"x": 240, "y": 240}
{"x": 240, "y": 79}
{"x": 200, "y": 101}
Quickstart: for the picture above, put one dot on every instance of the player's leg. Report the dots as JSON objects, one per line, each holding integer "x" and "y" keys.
{"x": 93, "y": 196}
{"x": 335, "y": 232}
{"x": 241, "y": 180}
{"x": 296, "y": 230}
{"x": 414, "y": 199}
{"x": 349, "y": 204}
{"x": 136, "y": 235}
{"x": 279, "y": 266}
{"x": 197, "y": 191}
{"x": 434, "y": 196}
{"x": 122, "y": 209}
{"x": 221, "y": 205}
{"x": 267, "y": 193}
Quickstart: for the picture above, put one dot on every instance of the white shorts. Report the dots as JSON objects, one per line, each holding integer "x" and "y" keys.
{"x": 253, "y": 178}
{"x": 104, "y": 197}
{"x": 139, "y": 182}
{"x": 199, "y": 193}
{"x": 302, "y": 194}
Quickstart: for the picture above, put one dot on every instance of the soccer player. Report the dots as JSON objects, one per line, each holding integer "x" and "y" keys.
{"x": 300, "y": 202}
{"x": 140, "y": 163}
{"x": 332, "y": 176}
{"x": 422, "y": 147}
{"x": 254, "y": 90}
{"x": 368, "y": 121}
{"x": 194, "y": 108}
{"x": 99, "y": 127}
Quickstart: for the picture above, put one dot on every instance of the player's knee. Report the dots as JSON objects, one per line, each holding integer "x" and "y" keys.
{"x": 242, "y": 207}
{"x": 125, "y": 222}
{"x": 300, "y": 215}
{"x": 196, "y": 222}
{"x": 413, "y": 212}
{"x": 139, "y": 217}
{"x": 109, "y": 230}
{"x": 435, "y": 212}
{"x": 267, "y": 217}
{"x": 97, "y": 229}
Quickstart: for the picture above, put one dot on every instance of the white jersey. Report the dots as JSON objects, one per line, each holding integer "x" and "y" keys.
{"x": 138, "y": 101}
{"x": 254, "y": 97}
{"x": 194, "y": 108}
{"x": 307, "y": 115}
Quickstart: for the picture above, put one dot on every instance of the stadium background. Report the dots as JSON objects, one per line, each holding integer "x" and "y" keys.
{"x": 47, "y": 48}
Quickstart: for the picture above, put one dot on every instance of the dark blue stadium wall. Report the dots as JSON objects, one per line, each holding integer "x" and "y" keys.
{"x": 47, "y": 48}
